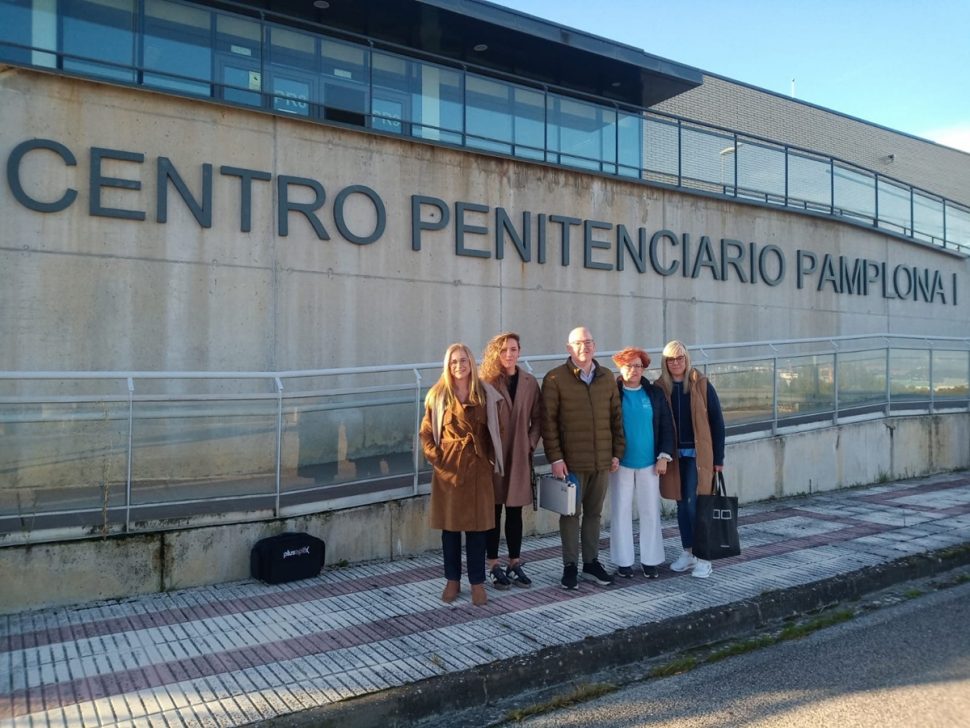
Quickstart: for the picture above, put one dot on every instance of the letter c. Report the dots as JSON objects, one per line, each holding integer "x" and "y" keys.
{"x": 13, "y": 175}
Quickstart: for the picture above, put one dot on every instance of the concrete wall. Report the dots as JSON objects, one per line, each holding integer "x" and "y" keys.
{"x": 790, "y": 464}
{"x": 97, "y": 291}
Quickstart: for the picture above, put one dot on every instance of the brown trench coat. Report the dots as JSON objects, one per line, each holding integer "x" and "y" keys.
{"x": 520, "y": 423}
{"x": 461, "y": 482}
{"x": 670, "y": 481}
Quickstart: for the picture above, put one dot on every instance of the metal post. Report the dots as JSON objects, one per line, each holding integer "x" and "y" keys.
{"x": 889, "y": 389}
{"x": 416, "y": 449}
{"x": 932, "y": 387}
{"x": 774, "y": 395}
{"x": 131, "y": 391}
{"x": 279, "y": 442}
{"x": 835, "y": 388}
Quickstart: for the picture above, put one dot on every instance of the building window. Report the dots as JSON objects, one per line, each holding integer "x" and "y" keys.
{"x": 177, "y": 48}
{"x": 238, "y": 60}
{"x": 344, "y": 67}
{"x": 98, "y": 38}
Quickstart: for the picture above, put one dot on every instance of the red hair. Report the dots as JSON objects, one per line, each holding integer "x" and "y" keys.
{"x": 630, "y": 355}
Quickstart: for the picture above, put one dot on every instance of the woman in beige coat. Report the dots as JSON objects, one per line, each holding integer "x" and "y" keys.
{"x": 460, "y": 438}
{"x": 520, "y": 421}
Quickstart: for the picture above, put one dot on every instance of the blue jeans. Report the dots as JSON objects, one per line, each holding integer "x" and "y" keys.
{"x": 474, "y": 555}
{"x": 687, "y": 505}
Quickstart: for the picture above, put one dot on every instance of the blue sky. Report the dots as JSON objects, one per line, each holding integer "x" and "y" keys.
{"x": 904, "y": 64}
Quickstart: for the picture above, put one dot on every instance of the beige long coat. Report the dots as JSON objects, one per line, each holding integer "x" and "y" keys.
{"x": 461, "y": 482}
{"x": 520, "y": 423}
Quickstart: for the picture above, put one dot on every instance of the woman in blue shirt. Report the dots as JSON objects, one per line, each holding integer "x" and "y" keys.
{"x": 649, "y": 430}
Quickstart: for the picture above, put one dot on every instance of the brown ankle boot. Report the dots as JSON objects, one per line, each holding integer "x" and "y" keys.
{"x": 479, "y": 598}
{"x": 450, "y": 594}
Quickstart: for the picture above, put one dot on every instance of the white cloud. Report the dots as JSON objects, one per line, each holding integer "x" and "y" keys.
{"x": 957, "y": 137}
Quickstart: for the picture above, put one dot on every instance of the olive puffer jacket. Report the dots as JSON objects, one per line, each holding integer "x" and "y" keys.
{"x": 582, "y": 424}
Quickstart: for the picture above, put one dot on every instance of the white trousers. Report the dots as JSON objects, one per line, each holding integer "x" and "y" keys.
{"x": 646, "y": 484}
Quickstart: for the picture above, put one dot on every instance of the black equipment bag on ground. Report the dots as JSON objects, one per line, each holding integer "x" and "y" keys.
{"x": 716, "y": 524}
{"x": 286, "y": 557}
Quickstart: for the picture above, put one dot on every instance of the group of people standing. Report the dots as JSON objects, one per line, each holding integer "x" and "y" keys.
{"x": 623, "y": 435}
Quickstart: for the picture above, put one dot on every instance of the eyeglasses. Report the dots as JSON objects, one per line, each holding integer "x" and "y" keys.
{"x": 631, "y": 366}
{"x": 588, "y": 343}
{"x": 677, "y": 358}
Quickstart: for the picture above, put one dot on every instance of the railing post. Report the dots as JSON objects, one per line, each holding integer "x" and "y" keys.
{"x": 279, "y": 443}
{"x": 889, "y": 389}
{"x": 131, "y": 392}
{"x": 416, "y": 449}
{"x": 774, "y": 395}
{"x": 835, "y": 387}
{"x": 932, "y": 388}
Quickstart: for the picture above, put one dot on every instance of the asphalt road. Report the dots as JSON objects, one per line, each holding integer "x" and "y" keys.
{"x": 904, "y": 665}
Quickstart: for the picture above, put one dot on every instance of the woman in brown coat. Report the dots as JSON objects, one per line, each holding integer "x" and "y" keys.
{"x": 520, "y": 421}
{"x": 460, "y": 437}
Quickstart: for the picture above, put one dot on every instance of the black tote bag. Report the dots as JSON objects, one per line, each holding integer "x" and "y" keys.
{"x": 716, "y": 524}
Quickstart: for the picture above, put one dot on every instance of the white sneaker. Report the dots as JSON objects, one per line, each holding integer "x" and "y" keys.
{"x": 702, "y": 569}
{"x": 684, "y": 562}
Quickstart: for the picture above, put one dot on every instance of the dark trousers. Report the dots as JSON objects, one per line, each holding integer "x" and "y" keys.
{"x": 474, "y": 555}
{"x": 513, "y": 532}
{"x": 687, "y": 505}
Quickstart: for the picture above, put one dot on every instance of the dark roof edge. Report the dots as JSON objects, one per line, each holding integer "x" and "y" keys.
{"x": 570, "y": 37}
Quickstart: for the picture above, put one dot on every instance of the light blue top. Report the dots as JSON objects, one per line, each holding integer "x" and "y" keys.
{"x": 638, "y": 428}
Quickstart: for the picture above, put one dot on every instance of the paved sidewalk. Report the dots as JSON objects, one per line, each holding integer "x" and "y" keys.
{"x": 246, "y": 652}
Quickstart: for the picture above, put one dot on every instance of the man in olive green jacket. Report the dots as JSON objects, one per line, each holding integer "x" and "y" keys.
{"x": 582, "y": 433}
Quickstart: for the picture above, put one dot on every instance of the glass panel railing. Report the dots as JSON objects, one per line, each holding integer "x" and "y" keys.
{"x": 895, "y": 211}
{"x": 951, "y": 378}
{"x": 203, "y": 450}
{"x": 909, "y": 375}
{"x": 761, "y": 171}
{"x": 707, "y": 158}
{"x": 854, "y": 194}
{"x": 806, "y": 387}
{"x": 927, "y": 218}
{"x": 745, "y": 390}
{"x": 809, "y": 182}
{"x": 862, "y": 381}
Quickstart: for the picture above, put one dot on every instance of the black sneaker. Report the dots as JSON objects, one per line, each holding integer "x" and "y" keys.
{"x": 517, "y": 576}
{"x": 651, "y": 572}
{"x": 499, "y": 580}
{"x": 569, "y": 577}
{"x": 625, "y": 571}
{"x": 594, "y": 571}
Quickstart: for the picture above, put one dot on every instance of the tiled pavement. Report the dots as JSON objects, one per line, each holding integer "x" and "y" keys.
{"x": 244, "y": 652}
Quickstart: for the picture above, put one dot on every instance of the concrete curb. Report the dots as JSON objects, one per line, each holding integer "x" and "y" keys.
{"x": 472, "y": 691}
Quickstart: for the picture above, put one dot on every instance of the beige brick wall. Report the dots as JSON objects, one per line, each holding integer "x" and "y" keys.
{"x": 742, "y": 108}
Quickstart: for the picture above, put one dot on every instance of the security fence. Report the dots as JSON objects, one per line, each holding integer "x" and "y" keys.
{"x": 100, "y": 453}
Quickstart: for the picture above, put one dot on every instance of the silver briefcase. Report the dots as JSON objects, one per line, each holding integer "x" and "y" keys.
{"x": 557, "y": 495}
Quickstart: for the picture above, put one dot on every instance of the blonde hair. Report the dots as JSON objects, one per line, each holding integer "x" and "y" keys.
{"x": 491, "y": 368}
{"x": 444, "y": 388}
{"x": 673, "y": 349}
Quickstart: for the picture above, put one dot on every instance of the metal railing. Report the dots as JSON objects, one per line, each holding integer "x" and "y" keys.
{"x": 99, "y": 453}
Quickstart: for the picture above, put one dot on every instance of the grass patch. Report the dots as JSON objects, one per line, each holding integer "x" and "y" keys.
{"x": 580, "y": 695}
{"x": 740, "y": 648}
{"x": 675, "y": 667}
{"x": 913, "y": 593}
{"x": 797, "y": 631}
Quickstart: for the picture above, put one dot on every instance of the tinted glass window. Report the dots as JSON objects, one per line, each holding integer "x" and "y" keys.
{"x": 99, "y": 30}
{"x": 178, "y": 46}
